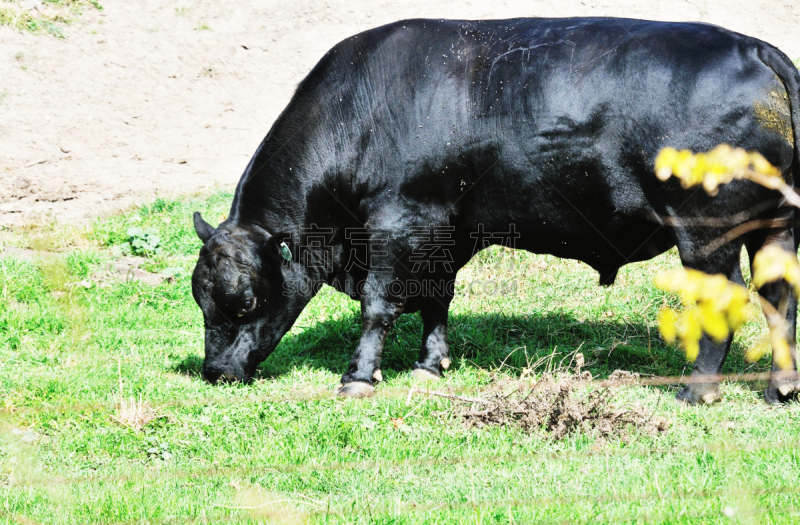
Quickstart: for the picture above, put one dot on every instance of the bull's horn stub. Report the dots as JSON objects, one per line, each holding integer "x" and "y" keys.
{"x": 445, "y": 363}
{"x": 377, "y": 376}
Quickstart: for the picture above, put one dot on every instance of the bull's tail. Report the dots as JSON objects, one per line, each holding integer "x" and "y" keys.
{"x": 782, "y": 388}
{"x": 790, "y": 77}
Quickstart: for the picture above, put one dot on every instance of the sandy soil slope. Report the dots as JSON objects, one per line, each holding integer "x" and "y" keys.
{"x": 154, "y": 97}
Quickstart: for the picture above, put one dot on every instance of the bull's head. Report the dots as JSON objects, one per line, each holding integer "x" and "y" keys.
{"x": 239, "y": 283}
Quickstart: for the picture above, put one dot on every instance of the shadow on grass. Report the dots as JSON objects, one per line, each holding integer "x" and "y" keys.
{"x": 191, "y": 365}
{"x": 488, "y": 341}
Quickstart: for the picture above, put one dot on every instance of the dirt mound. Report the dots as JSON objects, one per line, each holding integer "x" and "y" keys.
{"x": 559, "y": 405}
{"x": 42, "y": 190}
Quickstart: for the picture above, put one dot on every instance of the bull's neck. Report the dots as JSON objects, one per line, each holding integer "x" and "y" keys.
{"x": 295, "y": 184}
{"x": 271, "y": 192}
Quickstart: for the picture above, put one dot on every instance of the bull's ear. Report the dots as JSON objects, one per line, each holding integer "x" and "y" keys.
{"x": 278, "y": 248}
{"x": 203, "y": 229}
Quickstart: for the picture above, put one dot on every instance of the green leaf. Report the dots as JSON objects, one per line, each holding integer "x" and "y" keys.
{"x": 135, "y": 231}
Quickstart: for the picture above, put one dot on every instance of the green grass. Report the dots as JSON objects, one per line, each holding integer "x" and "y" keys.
{"x": 51, "y": 18}
{"x": 282, "y": 450}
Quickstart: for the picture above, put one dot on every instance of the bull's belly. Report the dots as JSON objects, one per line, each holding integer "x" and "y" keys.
{"x": 604, "y": 249}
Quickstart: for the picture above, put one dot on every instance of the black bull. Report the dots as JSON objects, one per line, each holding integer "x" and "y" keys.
{"x": 411, "y": 146}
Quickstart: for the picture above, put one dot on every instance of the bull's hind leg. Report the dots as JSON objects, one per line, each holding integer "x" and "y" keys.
{"x": 434, "y": 356}
{"x": 704, "y": 387}
{"x": 783, "y": 385}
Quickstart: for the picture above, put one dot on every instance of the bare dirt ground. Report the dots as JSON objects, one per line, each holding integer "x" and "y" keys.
{"x": 153, "y": 97}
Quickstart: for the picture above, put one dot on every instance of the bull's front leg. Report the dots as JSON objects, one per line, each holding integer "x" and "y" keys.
{"x": 379, "y": 310}
{"x": 434, "y": 356}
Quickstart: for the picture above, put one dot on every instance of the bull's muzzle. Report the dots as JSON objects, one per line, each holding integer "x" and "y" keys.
{"x": 214, "y": 374}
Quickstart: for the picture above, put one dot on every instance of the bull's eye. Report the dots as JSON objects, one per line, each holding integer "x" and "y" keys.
{"x": 248, "y": 305}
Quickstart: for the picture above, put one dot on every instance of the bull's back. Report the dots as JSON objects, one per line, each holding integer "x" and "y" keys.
{"x": 550, "y": 124}
{"x": 554, "y": 124}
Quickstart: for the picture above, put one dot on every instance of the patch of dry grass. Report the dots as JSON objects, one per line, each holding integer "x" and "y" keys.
{"x": 134, "y": 414}
{"x": 271, "y": 507}
{"x": 49, "y": 16}
{"x": 558, "y": 405}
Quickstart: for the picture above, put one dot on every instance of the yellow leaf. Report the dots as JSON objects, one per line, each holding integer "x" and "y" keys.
{"x": 773, "y": 263}
{"x": 690, "y": 327}
{"x": 666, "y": 324}
{"x": 711, "y": 184}
{"x": 664, "y": 162}
{"x": 692, "y": 348}
{"x": 718, "y": 166}
{"x": 738, "y": 313}
{"x": 713, "y": 305}
{"x": 781, "y": 355}
{"x": 713, "y": 322}
{"x": 757, "y": 351}
{"x": 762, "y": 165}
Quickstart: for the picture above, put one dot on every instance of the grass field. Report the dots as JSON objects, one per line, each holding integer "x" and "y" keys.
{"x": 75, "y": 340}
{"x": 49, "y": 16}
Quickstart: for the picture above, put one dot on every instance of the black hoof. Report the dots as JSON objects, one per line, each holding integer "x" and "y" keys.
{"x": 422, "y": 374}
{"x": 779, "y": 392}
{"x": 697, "y": 394}
{"x": 425, "y": 372}
{"x": 356, "y": 390}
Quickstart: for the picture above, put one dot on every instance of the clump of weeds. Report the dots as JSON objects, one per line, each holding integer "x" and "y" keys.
{"x": 558, "y": 404}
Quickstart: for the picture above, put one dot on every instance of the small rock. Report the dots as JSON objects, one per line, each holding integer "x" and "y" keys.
{"x": 33, "y": 5}
{"x": 22, "y": 183}
{"x": 21, "y": 187}
{"x": 26, "y": 436}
